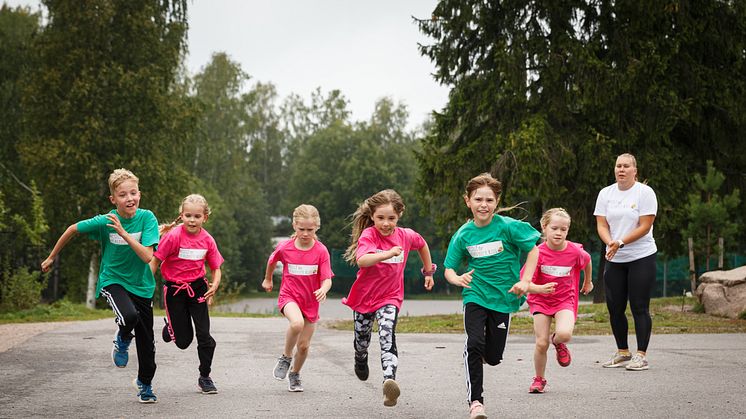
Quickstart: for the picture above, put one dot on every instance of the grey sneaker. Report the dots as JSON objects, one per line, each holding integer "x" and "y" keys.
{"x": 294, "y": 382}
{"x": 391, "y": 392}
{"x": 639, "y": 362}
{"x": 282, "y": 367}
{"x": 617, "y": 360}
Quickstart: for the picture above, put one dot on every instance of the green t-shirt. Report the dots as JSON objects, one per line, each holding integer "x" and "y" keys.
{"x": 493, "y": 251}
{"x": 119, "y": 262}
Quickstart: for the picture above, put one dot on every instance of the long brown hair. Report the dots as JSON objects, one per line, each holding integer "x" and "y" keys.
{"x": 486, "y": 179}
{"x": 361, "y": 219}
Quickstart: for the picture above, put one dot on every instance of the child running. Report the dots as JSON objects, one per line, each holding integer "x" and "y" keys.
{"x": 380, "y": 250}
{"x": 306, "y": 278}
{"x": 186, "y": 293}
{"x": 560, "y": 261}
{"x": 491, "y": 246}
{"x": 127, "y": 235}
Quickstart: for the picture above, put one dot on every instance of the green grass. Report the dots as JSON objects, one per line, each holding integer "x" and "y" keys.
{"x": 59, "y": 311}
{"x": 593, "y": 319}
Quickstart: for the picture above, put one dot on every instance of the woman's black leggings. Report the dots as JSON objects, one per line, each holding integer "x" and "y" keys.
{"x": 631, "y": 281}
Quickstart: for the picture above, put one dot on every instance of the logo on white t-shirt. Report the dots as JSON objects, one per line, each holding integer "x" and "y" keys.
{"x": 485, "y": 249}
{"x": 192, "y": 254}
{"x": 295, "y": 269}
{"x": 558, "y": 271}
{"x": 392, "y": 259}
{"x": 115, "y": 238}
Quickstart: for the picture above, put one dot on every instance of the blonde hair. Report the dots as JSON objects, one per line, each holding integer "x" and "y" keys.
{"x": 309, "y": 212}
{"x": 548, "y": 214}
{"x": 361, "y": 219}
{"x": 633, "y": 159}
{"x": 486, "y": 179}
{"x": 119, "y": 176}
{"x": 196, "y": 199}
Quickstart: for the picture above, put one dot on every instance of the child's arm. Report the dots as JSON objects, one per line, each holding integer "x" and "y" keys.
{"x": 216, "y": 275}
{"x": 154, "y": 264}
{"x": 370, "y": 259}
{"x": 145, "y": 253}
{"x": 320, "y": 293}
{"x": 547, "y": 288}
{"x": 427, "y": 266}
{"x": 68, "y": 235}
{"x": 521, "y": 287}
{"x": 267, "y": 283}
{"x": 587, "y": 279}
{"x": 458, "y": 280}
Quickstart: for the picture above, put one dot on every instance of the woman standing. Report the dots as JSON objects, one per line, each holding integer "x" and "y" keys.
{"x": 625, "y": 212}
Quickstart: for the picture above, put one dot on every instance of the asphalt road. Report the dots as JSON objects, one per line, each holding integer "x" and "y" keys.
{"x": 67, "y": 372}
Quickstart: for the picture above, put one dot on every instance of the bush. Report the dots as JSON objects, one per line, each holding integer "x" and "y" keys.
{"x": 22, "y": 290}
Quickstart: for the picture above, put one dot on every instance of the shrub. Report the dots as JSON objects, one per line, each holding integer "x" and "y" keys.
{"x": 22, "y": 290}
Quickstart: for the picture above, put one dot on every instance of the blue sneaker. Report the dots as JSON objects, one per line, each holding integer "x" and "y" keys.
{"x": 145, "y": 392}
{"x": 119, "y": 353}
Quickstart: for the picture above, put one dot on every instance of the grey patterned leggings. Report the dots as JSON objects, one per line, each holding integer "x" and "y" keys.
{"x": 386, "y": 317}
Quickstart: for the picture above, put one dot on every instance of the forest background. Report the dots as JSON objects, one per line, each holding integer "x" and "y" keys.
{"x": 544, "y": 95}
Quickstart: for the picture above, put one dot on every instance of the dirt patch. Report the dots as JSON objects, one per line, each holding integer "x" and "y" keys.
{"x": 14, "y": 334}
{"x": 688, "y": 308}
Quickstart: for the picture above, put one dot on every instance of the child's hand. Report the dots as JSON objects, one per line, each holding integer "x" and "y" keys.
{"x": 587, "y": 287}
{"x": 463, "y": 280}
{"x": 320, "y": 294}
{"x": 519, "y": 288}
{"x": 115, "y": 223}
{"x": 267, "y": 284}
{"x": 547, "y": 288}
{"x": 211, "y": 293}
{"x": 429, "y": 282}
{"x": 46, "y": 264}
{"x": 395, "y": 251}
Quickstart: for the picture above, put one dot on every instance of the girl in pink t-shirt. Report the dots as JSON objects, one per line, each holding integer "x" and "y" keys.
{"x": 380, "y": 249}
{"x": 560, "y": 261}
{"x": 182, "y": 254}
{"x": 306, "y": 278}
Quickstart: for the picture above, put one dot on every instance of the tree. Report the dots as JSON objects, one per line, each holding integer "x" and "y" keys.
{"x": 710, "y": 214}
{"x": 100, "y": 95}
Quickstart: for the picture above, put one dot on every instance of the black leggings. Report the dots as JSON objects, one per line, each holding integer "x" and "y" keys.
{"x": 631, "y": 281}
{"x": 135, "y": 313}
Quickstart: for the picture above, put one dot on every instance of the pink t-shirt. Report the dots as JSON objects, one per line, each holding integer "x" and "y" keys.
{"x": 562, "y": 267}
{"x": 382, "y": 283}
{"x": 303, "y": 271}
{"x": 183, "y": 255}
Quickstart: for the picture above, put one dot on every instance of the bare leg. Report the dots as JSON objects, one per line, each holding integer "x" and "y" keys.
{"x": 564, "y": 326}
{"x": 542, "y": 324}
{"x": 295, "y": 317}
{"x": 301, "y": 348}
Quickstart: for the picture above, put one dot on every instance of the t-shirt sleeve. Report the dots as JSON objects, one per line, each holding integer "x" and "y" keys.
{"x": 601, "y": 202}
{"x": 93, "y": 227}
{"x": 648, "y": 201}
{"x": 167, "y": 245}
{"x": 325, "y": 264}
{"x": 365, "y": 244}
{"x": 454, "y": 254}
{"x": 150, "y": 236}
{"x": 417, "y": 241}
{"x": 584, "y": 258}
{"x": 524, "y": 235}
{"x": 276, "y": 256}
{"x": 214, "y": 258}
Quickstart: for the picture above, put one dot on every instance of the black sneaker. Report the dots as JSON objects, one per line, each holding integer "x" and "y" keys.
{"x": 361, "y": 369}
{"x": 206, "y": 385}
{"x": 166, "y": 335}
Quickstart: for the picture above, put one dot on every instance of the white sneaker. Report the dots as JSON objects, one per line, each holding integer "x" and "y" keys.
{"x": 639, "y": 362}
{"x": 476, "y": 410}
{"x": 616, "y": 360}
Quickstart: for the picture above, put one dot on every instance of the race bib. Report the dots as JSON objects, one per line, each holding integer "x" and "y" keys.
{"x": 192, "y": 254}
{"x": 558, "y": 271}
{"x": 485, "y": 249}
{"x": 115, "y": 238}
{"x": 295, "y": 269}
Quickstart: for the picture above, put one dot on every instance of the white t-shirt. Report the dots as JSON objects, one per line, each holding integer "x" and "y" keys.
{"x": 622, "y": 210}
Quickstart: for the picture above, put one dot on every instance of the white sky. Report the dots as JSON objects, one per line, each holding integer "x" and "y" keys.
{"x": 366, "y": 49}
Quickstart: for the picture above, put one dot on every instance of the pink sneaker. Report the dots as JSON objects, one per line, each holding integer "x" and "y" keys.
{"x": 476, "y": 410}
{"x": 563, "y": 354}
{"x": 538, "y": 385}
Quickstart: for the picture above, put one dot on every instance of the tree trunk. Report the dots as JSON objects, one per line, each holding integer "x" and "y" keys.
{"x": 692, "y": 271}
{"x": 90, "y": 298}
{"x": 721, "y": 250}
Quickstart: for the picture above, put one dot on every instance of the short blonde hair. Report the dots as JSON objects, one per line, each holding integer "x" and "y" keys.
{"x": 119, "y": 176}
{"x": 196, "y": 199}
{"x": 560, "y": 212}
{"x": 309, "y": 212}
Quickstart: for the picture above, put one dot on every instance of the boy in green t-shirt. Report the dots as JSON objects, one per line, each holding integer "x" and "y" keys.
{"x": 128, "y": 236}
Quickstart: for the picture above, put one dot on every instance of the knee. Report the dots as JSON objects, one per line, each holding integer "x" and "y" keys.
{"x": 542, "y": 345}
{"x": 130, "y": 320}
{"x": 562, "y": 336}
{"x": 183, "y": 343}
{"x": 296, "y": 326}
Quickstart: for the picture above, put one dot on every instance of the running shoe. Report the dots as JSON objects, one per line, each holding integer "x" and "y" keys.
{"x": 119, "y": 353}
{"x": 563, "y": 354}
{"x": 476, "y": 410}
{"x": 639, "y": 362}
{"x": 391, "y": 392}
{"x": 282, "y": 367}
{"x": 361, "y": 369}
{"x": 145, "y": 392}
{"x": 165, "y": 334}
{"x": 294, "y": 382}
{"x": 617, "y": 360}
{"x": 206, "y": 385}
{"x": 538, "y": 385}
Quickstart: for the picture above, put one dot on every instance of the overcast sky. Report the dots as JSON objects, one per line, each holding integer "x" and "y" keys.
{"x": 366, "y": 49}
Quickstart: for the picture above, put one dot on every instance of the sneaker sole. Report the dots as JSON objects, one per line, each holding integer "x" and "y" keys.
{"x": 207, "y": 392}
{"x": 638, "y": 368}
{"x": 295, "y": 390}
{"x": 536, "y": 391}
{"x": 620, "y": 364}
{"x": 391, "y": 393}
